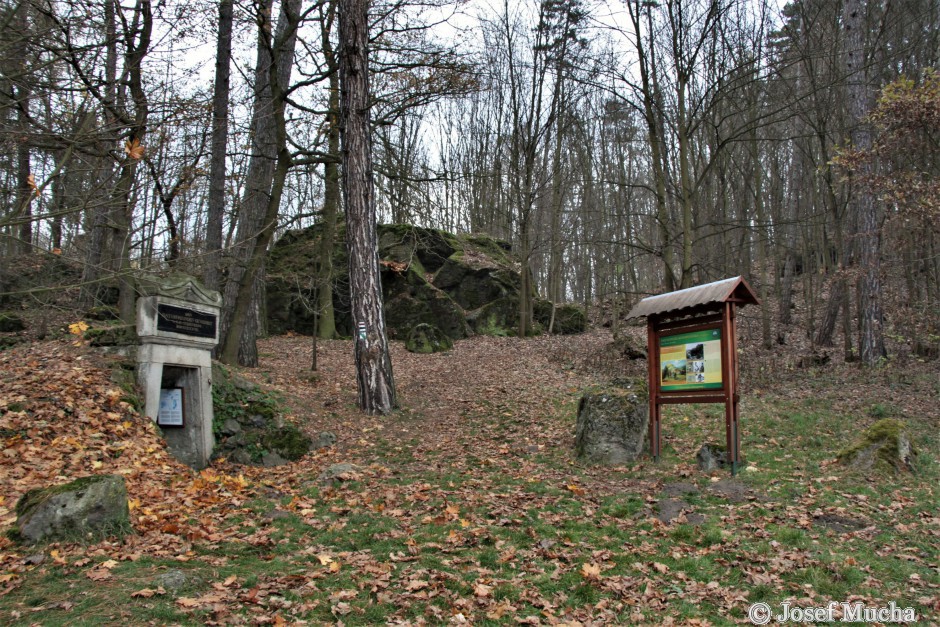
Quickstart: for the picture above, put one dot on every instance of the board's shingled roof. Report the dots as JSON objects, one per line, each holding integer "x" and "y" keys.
{"x": 717, "y": 292}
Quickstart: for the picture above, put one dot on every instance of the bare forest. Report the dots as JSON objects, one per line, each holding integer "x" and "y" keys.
{"x": 622, "y": 148}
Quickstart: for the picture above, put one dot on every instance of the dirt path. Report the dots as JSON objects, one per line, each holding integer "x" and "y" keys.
{"x": 444, "y": 398}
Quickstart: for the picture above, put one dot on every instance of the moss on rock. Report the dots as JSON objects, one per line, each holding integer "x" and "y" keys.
{"x": 884, "y": 446}
{"x": 427, "y": 338}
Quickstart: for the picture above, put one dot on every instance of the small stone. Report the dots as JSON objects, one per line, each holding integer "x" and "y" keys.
{"x": 172, "y": 580}
{"x": 679, "y": 488}
{"x": 427, "y": 338}
{"x": 339, "y": 472}
{"x": 35, "y": 560}
{"x": 277, "y": 514}
{"x": 231, "y": 427}
{"x": 242, "y": 457}
{"x": 711, "y": 457}
{"x": 270, "y": 460}
{"x": 325, "y": 440}
{"x": 258, "y": 421}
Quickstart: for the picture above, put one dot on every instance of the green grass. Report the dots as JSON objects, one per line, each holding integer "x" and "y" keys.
{"x": 491, "y": 531}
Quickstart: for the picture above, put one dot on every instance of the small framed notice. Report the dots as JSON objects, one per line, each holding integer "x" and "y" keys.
{"x": 171, "y": 408}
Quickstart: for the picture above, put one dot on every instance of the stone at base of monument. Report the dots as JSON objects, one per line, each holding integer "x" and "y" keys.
{"x": 96, "y": 505}
{"x": 712, "y": 457}
{"x": 612, "y": 425}
{"x": 885, "y": 445}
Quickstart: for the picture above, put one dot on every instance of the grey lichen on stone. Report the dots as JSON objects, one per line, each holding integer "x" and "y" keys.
{"x": 885, "y": 446}
{"x": 612, "y": 425}
{"x": 96, "y": 505}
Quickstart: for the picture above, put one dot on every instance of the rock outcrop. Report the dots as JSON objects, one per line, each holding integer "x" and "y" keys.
{"x": 462, "y": 284}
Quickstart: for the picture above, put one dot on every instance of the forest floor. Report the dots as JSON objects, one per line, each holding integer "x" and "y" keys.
{"x": 468, "y": 506}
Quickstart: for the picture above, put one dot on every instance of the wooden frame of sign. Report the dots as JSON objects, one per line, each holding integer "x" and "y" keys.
{"x": 692, "y": 354}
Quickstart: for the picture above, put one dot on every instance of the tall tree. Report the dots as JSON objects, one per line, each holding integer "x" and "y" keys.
{"x": 220, "y": 97}
{"x": 867, "y": 212}
{"x": 373, "y": 363}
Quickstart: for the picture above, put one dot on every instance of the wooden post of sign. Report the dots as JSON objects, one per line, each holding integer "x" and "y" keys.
{"x": 652, "y": 350}
{"x": 728, "y": 376}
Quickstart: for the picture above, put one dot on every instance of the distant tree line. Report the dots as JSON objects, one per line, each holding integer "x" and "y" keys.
{"x": 623, "y": 148}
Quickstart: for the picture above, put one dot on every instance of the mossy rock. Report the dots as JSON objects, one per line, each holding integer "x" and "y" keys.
{"x": 569, "y": 318}
{"x": 427, "y": 338}
{"x": 96, "y": 505}
{"x": 498, "y": 318}
{"x": 884, "y": 446}
{"x": 117, "y": 335}
{"x": 11, "y": 323}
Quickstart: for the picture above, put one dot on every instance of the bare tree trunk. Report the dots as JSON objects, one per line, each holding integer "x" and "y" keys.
{"x": 326, "y": 321}
{"x": 216, "y": 200}
{"x": 373, "y": 363}
{"x": 860, "y": 96}
{"x": 240, "y": 321}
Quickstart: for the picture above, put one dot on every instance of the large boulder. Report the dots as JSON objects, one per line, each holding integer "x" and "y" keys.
{"x": 569, "y": 318}
{"x": 96, "y": 504}
{"x": 462, "y": 284}
{"x": 885, "y": 445}
{"x": 612, "y": 425}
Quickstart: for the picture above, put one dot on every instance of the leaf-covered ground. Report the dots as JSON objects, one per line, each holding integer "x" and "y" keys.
{"x": 468, "y": 506}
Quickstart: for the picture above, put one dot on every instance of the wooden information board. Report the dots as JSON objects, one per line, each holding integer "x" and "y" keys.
{"x": 692, "y": 353}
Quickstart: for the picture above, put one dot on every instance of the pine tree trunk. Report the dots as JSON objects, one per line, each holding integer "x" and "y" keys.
{"x": 868, "y": 240}
{"x": 216, "y": 200}
{"x": 373, "y": 363}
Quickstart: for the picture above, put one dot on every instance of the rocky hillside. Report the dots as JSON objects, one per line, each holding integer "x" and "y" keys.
{"x": 464, "y": 284}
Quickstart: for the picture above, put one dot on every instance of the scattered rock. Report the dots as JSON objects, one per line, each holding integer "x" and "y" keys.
{"x": 837, "y": 523}
{"x": 338, "y": 473}
{"x": 96, "y": 504}
{"x": 326, "y": 439}
{"x": 270, "y": 460}
{"x": 277, "y": 514}
{"x": 679, "y": 488}
{"x": 612, "y": 425}
{"x": 35, "y": 560}
{"x": 732, "y": 490}
{"x": 241, "y": 456}
{"x": 11, "y": 323}
{"x": 231, "y": 427}
{"x": 885, "y": 446}
{"x": 427, "y": 338}
{"x": 712, "y": 457}
{"x": 115, "y": 335}
{"x": 172, "y": 580}
{"x": 671, "y": 510}
{"x": 626, "y": 347}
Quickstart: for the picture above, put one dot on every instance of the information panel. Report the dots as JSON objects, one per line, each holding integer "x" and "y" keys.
{"x": 171, "y": 408}
{"x": 690, "y": 361}
{"x": 185, "y": 321}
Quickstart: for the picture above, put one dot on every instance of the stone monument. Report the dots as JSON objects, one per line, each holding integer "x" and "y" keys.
{"x": 178, "y": 326}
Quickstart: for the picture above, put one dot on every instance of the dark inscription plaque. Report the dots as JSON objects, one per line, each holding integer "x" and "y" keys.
{"x": 185, "y": 321}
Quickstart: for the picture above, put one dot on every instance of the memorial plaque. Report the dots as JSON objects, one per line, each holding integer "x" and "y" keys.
{"x": 185, "y": 321}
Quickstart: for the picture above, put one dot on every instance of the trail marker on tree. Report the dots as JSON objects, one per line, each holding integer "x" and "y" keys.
{"x": 692, "y": 355}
